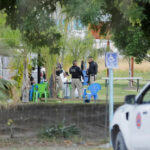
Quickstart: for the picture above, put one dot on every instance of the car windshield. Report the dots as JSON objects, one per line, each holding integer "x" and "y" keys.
{"x": 146, "y": 97}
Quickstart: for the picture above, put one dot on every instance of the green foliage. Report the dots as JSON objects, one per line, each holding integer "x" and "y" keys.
{"x": 39, "y": 31}
{"x": 18, "y": 66}
{"x": 133, "y": 42}
{"x": 49, "y": 61}
{"x": 3, "y": 19}
{"x": 61, "y": 131}
{"x": 126, "y": 20}
{"x": 17, "y": 10}
{"x": 5, "y": 90}
{"x": 137, "y": 45}
{"x": 9, "y": 39}
{"x": 10, "y": 123}
{"x": 33, "y": 18}
{"x": 79, "y": 49}
{"x": 131, "y": 10}
{"x": 88, "y": 11}
{"x": 34, "y": 21}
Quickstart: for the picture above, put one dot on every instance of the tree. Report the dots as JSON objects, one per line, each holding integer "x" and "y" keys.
{"x": 79, "y": 49}
{"x": 9, "y": 39}
{"x": 127, "y": 21}
{"x": 33, "y": 19}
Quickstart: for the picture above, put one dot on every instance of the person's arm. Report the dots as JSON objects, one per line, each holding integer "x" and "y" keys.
{"x": 70, "y": 71}
{"x": 82, "y": 75}
{"x": 87, "y": 71}
{"x": 80, "y": 72}
{"x": 95, "y": 68}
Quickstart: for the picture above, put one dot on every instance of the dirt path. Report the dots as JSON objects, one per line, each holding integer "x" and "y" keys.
{"x": 46, "y": 144}
{"x": 56, "y": 148}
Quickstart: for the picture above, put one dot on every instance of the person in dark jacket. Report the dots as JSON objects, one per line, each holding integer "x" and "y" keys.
{"x": 92, "y": 70}
{"x": 76, "y": 74}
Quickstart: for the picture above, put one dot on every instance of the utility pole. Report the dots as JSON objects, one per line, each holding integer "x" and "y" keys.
{"x": 108, "y": 49}
{"x": 111, "y": 60}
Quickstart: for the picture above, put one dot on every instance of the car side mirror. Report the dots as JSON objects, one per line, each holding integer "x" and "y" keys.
{"x": 130, "y": 99}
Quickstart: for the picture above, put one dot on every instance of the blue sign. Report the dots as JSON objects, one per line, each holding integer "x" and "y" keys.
{"x": 111, "y": 60}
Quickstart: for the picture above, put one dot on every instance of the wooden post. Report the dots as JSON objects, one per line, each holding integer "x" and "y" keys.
{"x": 132, "y": 66}
{"x": 108, "y": 49}
{"x": 130, "y": 82}
{"x": 132, "y": 70}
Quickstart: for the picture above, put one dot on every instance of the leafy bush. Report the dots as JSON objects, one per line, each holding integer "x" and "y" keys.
{"x": 61, "y": 131}
{"x": 5, "y": 89}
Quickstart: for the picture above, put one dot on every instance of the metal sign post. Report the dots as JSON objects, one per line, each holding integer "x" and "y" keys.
{"x": 111, "y": 62}
{"x": 111, "y": 99}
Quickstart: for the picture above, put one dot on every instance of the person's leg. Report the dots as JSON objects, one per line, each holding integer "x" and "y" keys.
{"x": 60, "y": 86}
{"x": 73, "y": 88}
{"x": 57, "y": 85}
{"x": 92, "y": 79}
{"x": 79, "y": 88}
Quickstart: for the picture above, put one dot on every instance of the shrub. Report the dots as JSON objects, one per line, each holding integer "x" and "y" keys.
{"x": 61, "y": 131}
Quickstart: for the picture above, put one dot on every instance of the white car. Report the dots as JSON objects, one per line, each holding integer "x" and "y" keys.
{"x": 130, "y": 128}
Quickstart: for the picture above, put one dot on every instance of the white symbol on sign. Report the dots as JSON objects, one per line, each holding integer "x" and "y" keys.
{"x": 111, "y": 59}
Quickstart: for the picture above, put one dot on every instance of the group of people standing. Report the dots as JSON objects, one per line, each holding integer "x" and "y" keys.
{"x": 77, "y": 76}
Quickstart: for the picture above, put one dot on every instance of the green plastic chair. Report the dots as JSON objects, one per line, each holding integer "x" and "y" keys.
{"x": 40, "y": 91}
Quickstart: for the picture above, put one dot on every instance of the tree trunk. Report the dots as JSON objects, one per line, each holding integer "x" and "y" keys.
{"x": 39, "y": 70}
{"x": 62, "y": 57}
{"x": 39, "y": 74}
{"x": 54, "y": 84}
{"x": 25, "y": 86}
{"x": 131, "y": 70}
{"x": 130, "y": 74}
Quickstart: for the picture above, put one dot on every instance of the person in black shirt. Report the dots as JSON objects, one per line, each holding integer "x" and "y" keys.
{"x": 76, "y": 74}
{"x": 92, "y": 70}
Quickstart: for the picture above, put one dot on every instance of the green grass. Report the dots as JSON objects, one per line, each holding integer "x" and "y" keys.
{"x": 121, "y": 87}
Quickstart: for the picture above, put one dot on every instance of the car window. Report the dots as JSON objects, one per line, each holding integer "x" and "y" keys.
{"x": 146, "y": 97}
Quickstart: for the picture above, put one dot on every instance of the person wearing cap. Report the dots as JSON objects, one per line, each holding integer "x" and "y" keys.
{"x": 92, "y": 70}
{"x": 76, "y": 74}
